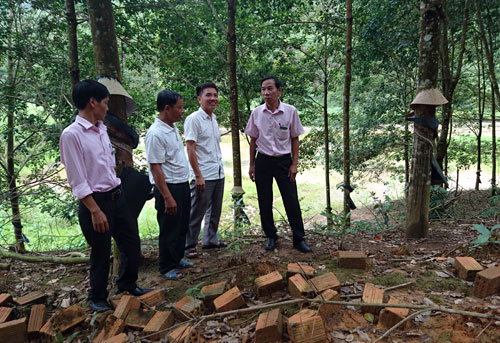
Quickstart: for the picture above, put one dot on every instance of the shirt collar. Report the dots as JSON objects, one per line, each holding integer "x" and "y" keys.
{"x": 205, "y": 114}
{"x": 279, "y": 109}
{"x": 164, "y": 125}
{"x": 88, "y": 125}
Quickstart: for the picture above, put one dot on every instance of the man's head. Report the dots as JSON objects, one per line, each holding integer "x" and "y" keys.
{"x": 169, "y": 104}
{"x": 270, "y": 88}
{"x": 208, "y": 96}
{"x": 85, "y": 90}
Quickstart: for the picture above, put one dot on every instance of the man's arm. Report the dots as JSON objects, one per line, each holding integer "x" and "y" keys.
{"x": 99, "y": 219}
{"x": 292, "y": 171}
{"x": 159, "y": 178}
{"x": 251, "y": 168}
{"x": 193, "y": 160}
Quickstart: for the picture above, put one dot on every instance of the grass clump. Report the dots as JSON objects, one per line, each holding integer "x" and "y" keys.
{"x": 429, "y": 281}
{"x": 390, "y": 279}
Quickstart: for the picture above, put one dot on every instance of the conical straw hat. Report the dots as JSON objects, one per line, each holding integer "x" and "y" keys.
{"x": 115, "y": 88}
{"x": 431, "y": 96}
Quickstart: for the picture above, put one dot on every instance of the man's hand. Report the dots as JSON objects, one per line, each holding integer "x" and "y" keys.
{"x": 292, "y": 172}
{"x": 251, "y": 172}
{"x": 99, "y": 221}
{"x": 200, "y": 183}
{"x": 170, "y": 206}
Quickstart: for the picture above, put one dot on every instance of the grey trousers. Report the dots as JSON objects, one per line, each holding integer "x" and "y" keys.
{"x": 206, "y": 204}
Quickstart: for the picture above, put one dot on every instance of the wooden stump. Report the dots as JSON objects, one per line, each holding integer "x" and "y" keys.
{"x": 487, "y": 282}
{"x": 352, "y": 259}
{"x": 231, "y": 300}
{"x": 269, "y": 327}
{"x": 467, "y": 267}
{"x": 372, "y": 294}
{"x": 268, "y": 284}
{"x": 306, "y": 326}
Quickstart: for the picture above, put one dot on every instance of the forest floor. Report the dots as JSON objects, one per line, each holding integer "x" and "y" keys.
{"x": 392, "y": 260}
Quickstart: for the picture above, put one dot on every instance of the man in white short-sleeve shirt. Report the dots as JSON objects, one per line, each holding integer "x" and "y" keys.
{"x": 274, "y": 130}
{"x": 207, "y": 172}
{"x": 169, "y": 172}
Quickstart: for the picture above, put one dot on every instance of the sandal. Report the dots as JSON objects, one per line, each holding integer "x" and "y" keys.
{"x": 191, "y": 253}
{"x": 185, "y": 264}
{"x": 174, "y": 274}
{"x": 220, "y": 244}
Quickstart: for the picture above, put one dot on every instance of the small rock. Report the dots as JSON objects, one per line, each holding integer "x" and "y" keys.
{"x": 441, "y": 274}
{"x": 349, "y": 338}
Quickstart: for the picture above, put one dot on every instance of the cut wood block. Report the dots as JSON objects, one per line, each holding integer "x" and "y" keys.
{"x": 210, "y": 292}
{"x": 390, "y": 316}
{"x": 161, "y": 320}
{"x": 268, "y": 284}
{"x": 269, "y": 327}
{"x": 121, "y": 338}
{"x": 467, "y": 267}
{"x": 295, "y": 268}
{"x": 5, "y": 298}
{"x": 138, "y": 318}
{"x": 374, "y": 295}
{"x": 31, "y": 298}
{"x": 326, "y": 310}
{"x": 298, "y": 287}
{"x": 325, "y": 281}
{"x": 37, "y": 318}
{"x": 487, "y": 282}
{"x": 352, "y": 259}
{"x": 5, "y": 313}
{"x": 127, "y": 302}
{"x": 153, "y": 298}
{"x": 13, "y": 331}
{"x": 231, "y": 300}
{"x": 112, "y": 327}
{"x": 63, "y": 320}
{"x": 189, "y": 306}
{"x": 180, "y": 334}
{"x": 306, "y": 326}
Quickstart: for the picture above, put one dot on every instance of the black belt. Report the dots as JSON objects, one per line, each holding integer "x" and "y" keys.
{"x": 113, "y": 194}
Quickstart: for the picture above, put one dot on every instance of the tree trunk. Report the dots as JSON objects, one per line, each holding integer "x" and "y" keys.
{"x": 74, "y": 69}
{"x": 493, "y": 147}
{"x": 448, "y": 83}
{"x": 237, "y": 191}
{"x": 326, "y": 139}
{"x": 11, "y": 172}
{"x": 481, "y": 99}
{"x": 489, "y": 58}
{"x": 417, "y": 214}
{"x": 107, "y": 63}
{"x": 347, "y": 94}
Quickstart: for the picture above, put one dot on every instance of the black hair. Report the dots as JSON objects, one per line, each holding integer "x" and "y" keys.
{"x": 86, "y": 89}
{"x": 200, "y": 88}
{"x": 277, "y": 81}
{"x": 167, "y": 98}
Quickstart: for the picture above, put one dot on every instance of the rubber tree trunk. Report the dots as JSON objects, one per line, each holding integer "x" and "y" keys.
{"x": 481, "y": 101}
{"x": 74, "y": 69}
{"x": 107, "y": 62}
{"x": 449, "y": 83}
{"x": 417, "y": 213}
{"x": 326, "y": 128}
{"x": 347, "y": 95}
{"x": 11, "y": 172}
{"x": 493, "y": 147}
{"x": 237, "y": 191}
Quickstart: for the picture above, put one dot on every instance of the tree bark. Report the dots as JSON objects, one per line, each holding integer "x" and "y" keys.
{"x": 347, "y": 94}
{"x": 481, "y": 100}
{"x": 74, "y": 69}
{"x": 326, "y": 131}
{"x": 493, "y": 147}
{"x": 417, "y": 214}
{"x": 11, "y": 172}
{"x": 449, "y": 83}
{"x": 237, "y": 191}
{"x": 107, "y": 63}
{"x": 35, "y": 259}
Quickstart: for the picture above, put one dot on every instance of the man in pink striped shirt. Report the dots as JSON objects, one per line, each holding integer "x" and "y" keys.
{"x": 274, "y": 129}
{"x": 87, "y": 155}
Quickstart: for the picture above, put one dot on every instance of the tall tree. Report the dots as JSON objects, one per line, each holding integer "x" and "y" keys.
{"x": 417, "y": 213}
{"x": 74, "y": 68}
{"x": 347, "y": 95}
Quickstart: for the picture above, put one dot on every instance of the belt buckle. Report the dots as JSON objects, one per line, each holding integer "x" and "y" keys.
{"x": 116, "y": 194}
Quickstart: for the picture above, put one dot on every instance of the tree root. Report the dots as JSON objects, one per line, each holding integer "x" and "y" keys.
{"x": 51, "y": 259}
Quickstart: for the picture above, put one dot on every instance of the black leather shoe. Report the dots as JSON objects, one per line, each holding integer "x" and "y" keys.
{"x": 137, "y": 292}
{"x": 270, "y": 244}
{"x": 100, "y": 306}
{"x": 302, "y": 246}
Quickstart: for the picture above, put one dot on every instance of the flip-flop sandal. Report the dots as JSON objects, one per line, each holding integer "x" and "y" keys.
{"x": 185, "y": 264}
{"x": 174, "y": 274}
{"x": 219, "y": 245}
{"x": 191, "y": 253}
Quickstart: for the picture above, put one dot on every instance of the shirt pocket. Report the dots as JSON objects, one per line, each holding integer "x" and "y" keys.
{"x": 283, "y": 133}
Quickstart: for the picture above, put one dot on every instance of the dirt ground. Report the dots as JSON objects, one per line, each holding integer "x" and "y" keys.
{"x": 391, "y": 261}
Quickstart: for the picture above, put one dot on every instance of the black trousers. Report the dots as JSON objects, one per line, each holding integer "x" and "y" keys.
{"x": 126, "y": 235}
{"x": 267, "y": 168}
{"x": 173, "y": 229}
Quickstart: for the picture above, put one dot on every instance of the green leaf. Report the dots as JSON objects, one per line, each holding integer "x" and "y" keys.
{"x": 369, "y": 317}
{"x": 481, "y": 239}
{"x": 496, "y": 227}
{"x": 482, "y": 229}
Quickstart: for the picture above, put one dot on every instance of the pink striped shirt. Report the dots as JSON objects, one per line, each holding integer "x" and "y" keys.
{"x": 88, "y": 158}
{"x": 274, "y": 130}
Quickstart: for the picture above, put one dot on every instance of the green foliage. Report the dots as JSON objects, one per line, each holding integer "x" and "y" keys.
{"x": 439, "y": 202}
{"x": 486, "y": 236}
{"x": 195, "y": 291}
